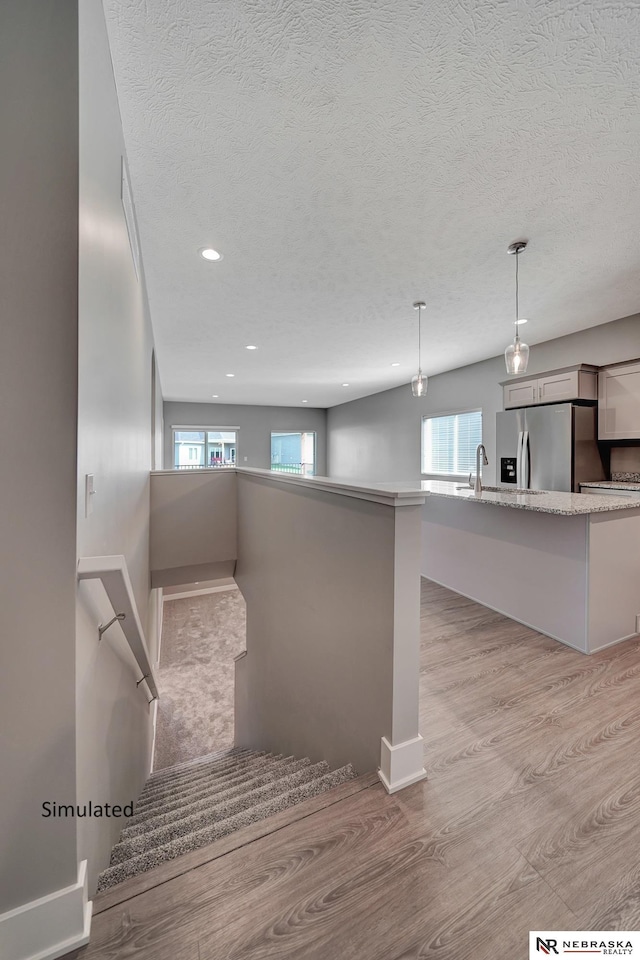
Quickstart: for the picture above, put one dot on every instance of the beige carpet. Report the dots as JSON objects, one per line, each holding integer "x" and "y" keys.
{"x": 200, "y": 637}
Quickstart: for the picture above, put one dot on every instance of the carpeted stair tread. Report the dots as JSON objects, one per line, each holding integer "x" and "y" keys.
{"x": 194, "y": 767}
{"x": 194, "y": 770}
{"x": 133, "y": 846}
{"x": 206, "y": 771}
{"x": 232, "y": 771}
{"x": 192, "y": 841}
{"x": 177, "y": 769}
{"x": 204, "y": 788}
{"x": 274, "y": 771}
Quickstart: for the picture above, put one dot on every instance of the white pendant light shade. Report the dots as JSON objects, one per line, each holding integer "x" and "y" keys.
{"x": 516, "y": 356}
{"x": 419, "y": 382}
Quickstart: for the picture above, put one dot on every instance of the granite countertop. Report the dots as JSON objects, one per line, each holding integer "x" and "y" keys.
{"x": 614, "y": 484}
{"x": 540, "y": 501}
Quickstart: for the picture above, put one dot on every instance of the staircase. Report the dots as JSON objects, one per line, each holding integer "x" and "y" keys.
{"x": 195, "y": 803}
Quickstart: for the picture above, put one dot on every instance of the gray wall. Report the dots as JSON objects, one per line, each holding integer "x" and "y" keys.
{"x": 378, "y": 437}
{"x": 157, "y": 417}
{"x": 193, "y": 525}
{"x": 115, "y": 426}
{"x": 38, "y": 318}
{"x": 255, "y": 423}
{"x": 317, "y": 573}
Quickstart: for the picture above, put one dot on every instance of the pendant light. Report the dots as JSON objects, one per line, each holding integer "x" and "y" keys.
{"x": 419, "y": 382}
{"x": 516, "y": 356}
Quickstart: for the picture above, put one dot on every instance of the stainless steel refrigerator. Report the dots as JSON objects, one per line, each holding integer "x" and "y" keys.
{"x": 552, "y": 447}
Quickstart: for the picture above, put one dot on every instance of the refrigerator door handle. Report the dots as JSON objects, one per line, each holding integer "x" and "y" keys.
{"x": 526, "y": 467}
{"x": 519, "y": 460}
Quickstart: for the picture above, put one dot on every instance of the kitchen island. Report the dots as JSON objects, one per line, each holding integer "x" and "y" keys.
{"x": 565, "y": 564}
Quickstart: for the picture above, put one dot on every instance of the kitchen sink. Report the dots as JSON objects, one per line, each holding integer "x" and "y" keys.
{"x": 517, "y": 492}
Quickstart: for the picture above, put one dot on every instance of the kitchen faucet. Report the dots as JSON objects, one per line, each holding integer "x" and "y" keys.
{"x": 477, "y": 485}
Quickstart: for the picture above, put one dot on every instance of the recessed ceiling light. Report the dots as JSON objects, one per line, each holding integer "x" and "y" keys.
{"x": 229, "y": 374}
{"x": 345, "y": 384}
{"x": 215, "y": 396}
{"x": 207, "y": 253}
{"x": 305, "y": 401}
{"x": 395, "y": 364}
{"x": 523, "y": 320}
{"x": 251, "y": 347}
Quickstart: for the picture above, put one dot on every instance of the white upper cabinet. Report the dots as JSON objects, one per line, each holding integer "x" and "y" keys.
{"x": 619, "y": 402}
{"x": 557, "y": 386}
{"x": 520, "y": 394}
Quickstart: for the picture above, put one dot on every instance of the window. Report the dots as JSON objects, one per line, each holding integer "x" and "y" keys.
{"x": 449, "y": 443}
{"x": 195, "y": 447}
{"x": 294, "y": 453}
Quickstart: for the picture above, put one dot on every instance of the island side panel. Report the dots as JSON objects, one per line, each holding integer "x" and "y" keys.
{"x": 530, "y": 566}
{"x": 614, "y": 577}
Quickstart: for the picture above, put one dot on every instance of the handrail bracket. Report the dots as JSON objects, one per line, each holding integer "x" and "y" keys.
{"x": 105, "y": 626}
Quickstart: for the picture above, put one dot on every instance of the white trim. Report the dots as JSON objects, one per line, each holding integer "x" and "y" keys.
{"x": 154, "y": 710}
{"x": 401, "y": 764}
{"x": 199, "y": 593}
{"x": 612, "y": 643}
{"x": 400, "y": 494}
{"x": 390, "y": 494}
{"x": 49, "y": 927}
{"x": 154, "y": 703}
{"x": 159, "y": 627}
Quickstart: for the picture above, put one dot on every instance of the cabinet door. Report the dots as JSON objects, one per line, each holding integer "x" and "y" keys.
{"x": 559, "y": 387}
{"x": 619, "y": 403}
{"x": 521, "y": 394}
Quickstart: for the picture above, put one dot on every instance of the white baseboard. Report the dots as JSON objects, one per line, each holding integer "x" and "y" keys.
{"x": 49, "y": 927}
{"x": 198, "y": 593}
{"x": 154, "y": 708}
{"x": 612, "y": 643}
{"x": 402, "y": 764}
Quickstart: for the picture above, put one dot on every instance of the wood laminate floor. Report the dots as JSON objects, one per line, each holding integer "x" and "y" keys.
{"x": 529, "y": 819}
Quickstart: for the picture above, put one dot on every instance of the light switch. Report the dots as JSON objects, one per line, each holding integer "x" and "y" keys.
{"x": 89, "y": 491}
{"x": 245, "y": 459}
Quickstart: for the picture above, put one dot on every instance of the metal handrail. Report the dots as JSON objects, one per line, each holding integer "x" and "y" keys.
{"x": 299, "y": 468}
{"x": 205, "y": 466}
{"x": 117, "y": 584}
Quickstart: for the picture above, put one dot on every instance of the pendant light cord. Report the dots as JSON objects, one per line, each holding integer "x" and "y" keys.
{"x": 517, "y": 337}
{"x": 419, "y": 342}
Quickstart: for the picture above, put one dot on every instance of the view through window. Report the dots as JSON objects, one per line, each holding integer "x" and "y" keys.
{"x": 209, "y": 447}
{"x": 293, "y": 453}
{"x": 449, "y": 443}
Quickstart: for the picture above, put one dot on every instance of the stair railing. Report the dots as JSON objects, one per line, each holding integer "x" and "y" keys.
{"x": 113, "y": 573}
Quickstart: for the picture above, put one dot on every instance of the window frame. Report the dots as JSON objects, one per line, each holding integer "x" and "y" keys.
{"x": 435, "y": 416}
{"x": 198, "y": 428}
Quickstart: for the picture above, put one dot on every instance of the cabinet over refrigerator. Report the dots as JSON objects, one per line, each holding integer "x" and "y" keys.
{"x": 552, "y": 447}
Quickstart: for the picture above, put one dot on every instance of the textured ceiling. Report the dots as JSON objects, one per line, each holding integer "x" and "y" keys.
{"x": 350, "y": 156}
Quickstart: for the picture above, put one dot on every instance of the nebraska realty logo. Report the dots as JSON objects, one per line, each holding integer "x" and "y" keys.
{"x": 580, "y": 943}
